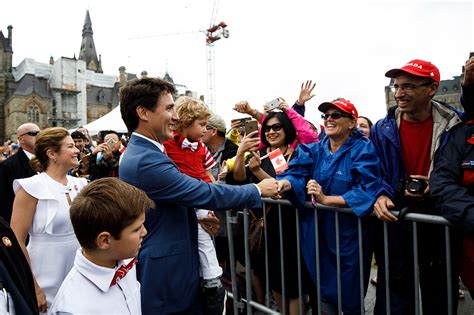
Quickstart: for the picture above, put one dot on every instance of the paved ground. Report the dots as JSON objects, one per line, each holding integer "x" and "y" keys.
{"x": 465, "y": 306}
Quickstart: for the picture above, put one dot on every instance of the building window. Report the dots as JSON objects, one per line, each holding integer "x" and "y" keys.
{"x": 101, "y": 96}
{"x": 33, "y": 113}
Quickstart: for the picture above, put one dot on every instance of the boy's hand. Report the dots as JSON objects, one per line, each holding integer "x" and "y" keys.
{"x": 210, "y": 224}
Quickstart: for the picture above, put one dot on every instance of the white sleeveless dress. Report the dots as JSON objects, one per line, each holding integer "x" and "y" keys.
{"x": 53, "y": 244}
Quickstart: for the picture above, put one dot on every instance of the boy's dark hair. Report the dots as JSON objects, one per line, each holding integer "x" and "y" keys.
{"x": 290, "y": 131}
{"x": 106, "y": 205}
{"x": 143, "y": 92}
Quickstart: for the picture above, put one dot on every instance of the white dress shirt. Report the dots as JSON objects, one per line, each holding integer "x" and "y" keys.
{"x": 87, "y": 290}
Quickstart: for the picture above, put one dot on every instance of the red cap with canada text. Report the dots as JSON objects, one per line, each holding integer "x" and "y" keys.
{"x": 342, "y": 104}
{"x": 419, "y": 68}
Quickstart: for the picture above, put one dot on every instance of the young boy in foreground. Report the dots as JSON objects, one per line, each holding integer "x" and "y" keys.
{"x": 107, "y": 217}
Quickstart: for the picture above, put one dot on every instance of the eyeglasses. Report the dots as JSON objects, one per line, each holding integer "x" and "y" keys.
{"x": 335, "y": 115}
{"x": 209, "y": 127}
{"x": 408, "y": 87}
{"x": 276, "y": 127}
{"x": 31, "y": 133}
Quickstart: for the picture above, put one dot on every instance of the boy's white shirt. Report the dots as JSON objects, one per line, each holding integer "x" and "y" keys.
{"x": 87, "y": 290}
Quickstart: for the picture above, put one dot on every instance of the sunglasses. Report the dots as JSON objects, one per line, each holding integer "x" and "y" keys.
{"x": 275, "y": 127}
{"x": 31, "y": 133}
{"x": 335, "y": 115}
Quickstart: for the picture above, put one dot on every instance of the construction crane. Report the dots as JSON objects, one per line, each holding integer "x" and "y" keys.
{"x": 213, "y": 34}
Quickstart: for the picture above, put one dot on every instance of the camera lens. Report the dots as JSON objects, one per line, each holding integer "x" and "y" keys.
{"x": 415, "y": 186}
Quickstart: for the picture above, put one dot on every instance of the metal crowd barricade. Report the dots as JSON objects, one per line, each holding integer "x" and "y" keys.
{"x": 242, "y": 304}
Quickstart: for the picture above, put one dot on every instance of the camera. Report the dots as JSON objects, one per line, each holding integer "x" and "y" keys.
{"x": 412, "y": 185}
{"x": 111, "y": 142}
{"x": 241, "y": 121}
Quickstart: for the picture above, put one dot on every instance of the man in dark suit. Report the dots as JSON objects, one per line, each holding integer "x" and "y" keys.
{"x": 168, "y": 262}
{"x": 17, "y": 166}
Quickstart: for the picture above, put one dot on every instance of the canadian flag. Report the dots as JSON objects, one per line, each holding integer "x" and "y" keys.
{"x": 278, "y": 161}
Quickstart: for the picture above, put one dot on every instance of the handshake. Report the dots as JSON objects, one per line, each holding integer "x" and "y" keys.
{"x": 270, "y": 187}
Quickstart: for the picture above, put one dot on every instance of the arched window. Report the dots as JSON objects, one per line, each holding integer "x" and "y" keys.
{"x": 33, "y": 113}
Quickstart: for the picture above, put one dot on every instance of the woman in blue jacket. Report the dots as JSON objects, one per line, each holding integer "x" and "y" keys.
{"x": 342, "y": 170}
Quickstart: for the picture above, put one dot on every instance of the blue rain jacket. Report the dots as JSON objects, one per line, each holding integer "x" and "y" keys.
{"x": 354, "y": 173}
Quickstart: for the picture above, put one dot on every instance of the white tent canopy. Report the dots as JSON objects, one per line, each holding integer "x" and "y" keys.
{"x": 110, "y": 121}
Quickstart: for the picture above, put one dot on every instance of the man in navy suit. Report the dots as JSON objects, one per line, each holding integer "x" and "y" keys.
{"x": 17, "y": 166}
{"x": 168, "y": 262}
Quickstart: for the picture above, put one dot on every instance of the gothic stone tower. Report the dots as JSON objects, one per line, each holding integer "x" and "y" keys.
{"x": 88, "y": 52}
{"x": 6, "y": 54}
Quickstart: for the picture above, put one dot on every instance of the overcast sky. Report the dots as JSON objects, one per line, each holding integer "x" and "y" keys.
{"x": 345, "y": 46}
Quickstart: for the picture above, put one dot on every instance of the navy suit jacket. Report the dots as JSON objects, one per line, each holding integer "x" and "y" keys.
{"x": 15, "y": 167}
{"x": 168, "y": 262}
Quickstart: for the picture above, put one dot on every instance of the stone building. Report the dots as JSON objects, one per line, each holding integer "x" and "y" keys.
{"x": 449, "y": 91}
{"x": 67, "y": 92}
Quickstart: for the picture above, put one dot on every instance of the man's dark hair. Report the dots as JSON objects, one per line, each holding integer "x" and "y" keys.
{"x": 290, "y": 131}
{"x": 106, "y": 205}
{"x": 78, "y": 135}
{"x": 143, "y": 92}
{"x": 107, "y": 132}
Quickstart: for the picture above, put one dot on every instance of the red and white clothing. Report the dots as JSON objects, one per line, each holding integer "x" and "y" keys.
{"x": 192, "y": 158}
{"x": 87, "y": 289}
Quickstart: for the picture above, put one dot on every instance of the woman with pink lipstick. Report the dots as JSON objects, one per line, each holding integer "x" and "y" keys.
{"x": 41, "y": 210}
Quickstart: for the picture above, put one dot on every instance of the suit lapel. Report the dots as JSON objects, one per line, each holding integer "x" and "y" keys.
{"x": 148, "y": 145}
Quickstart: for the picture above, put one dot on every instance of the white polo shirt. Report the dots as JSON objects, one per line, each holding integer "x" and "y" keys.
{"x": 87, "y": 290}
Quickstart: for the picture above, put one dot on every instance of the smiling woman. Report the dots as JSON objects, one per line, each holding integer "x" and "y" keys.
{"x": 278, "y": 132}
{"x": 52, "y": 245}
{"x": 344, "y": 171}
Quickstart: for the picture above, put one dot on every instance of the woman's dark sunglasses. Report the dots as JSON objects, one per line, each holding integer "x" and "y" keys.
{"x": 275, "y": 127}
{"x": 335, "y": 115}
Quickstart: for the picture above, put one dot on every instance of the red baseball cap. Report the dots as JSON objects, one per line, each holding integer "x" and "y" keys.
{"x": 342, "y": 104}
{"x": 419, "y": 68}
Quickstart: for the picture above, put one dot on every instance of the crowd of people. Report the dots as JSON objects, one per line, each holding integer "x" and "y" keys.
{"x": 131, "y": 224}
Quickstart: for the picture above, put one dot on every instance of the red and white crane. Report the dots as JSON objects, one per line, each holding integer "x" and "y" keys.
{"x": 213, "y": 33}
